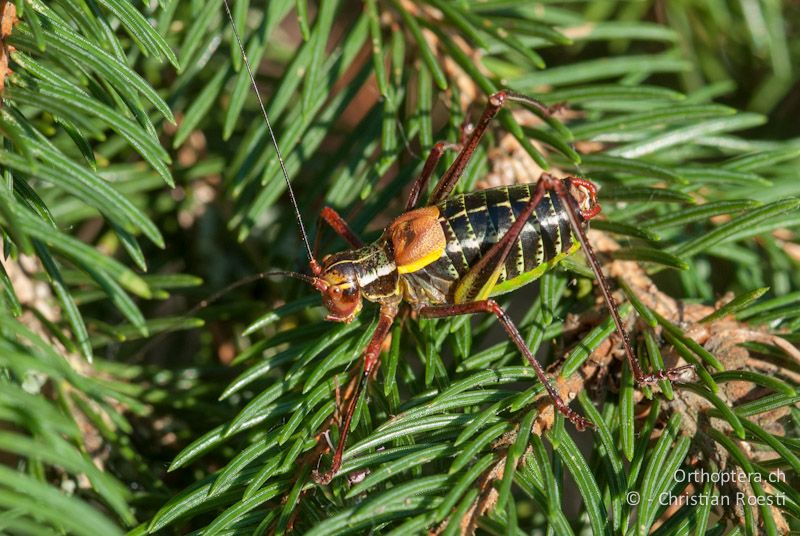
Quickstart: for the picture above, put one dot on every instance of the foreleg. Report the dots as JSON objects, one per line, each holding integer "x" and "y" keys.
{"x": 371, "y": 355}
{"x": 337, "y": 223}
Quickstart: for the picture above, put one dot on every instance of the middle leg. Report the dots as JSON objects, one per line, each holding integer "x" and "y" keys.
{"x": 427, "y": 171}
{"x": 490, "y": 306}
{"x": 496, "y": 101}
{"x": 475, "y": 287}
{"x": 432, "y": 161}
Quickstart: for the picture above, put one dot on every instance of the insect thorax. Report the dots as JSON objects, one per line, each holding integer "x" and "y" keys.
{"x": 374, "y": 269}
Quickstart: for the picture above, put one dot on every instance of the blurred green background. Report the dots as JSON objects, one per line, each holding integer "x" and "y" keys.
{"x": 140, "y": 181}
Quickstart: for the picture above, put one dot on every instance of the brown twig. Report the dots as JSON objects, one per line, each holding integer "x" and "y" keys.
{"x": 8, "y": 19}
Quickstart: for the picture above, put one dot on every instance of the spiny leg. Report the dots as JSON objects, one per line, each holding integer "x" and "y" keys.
{"x": 490, "y": 306}
{"x": 337, "y": 223}
{"x": 451, "y": 177}
{"x": 371, "y": 354}
{"x": 558, "y": 186}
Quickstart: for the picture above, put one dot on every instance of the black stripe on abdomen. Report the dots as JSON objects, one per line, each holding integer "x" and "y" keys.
{"x": 474, "y": 222}
{"x": 530, "y": 237}
{"x": 480, "y": 222}
{"x": 564, "y": 228}
{"x": 547, "y": 220}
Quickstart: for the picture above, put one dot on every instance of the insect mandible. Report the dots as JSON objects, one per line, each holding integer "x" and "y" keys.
{"x": 453, "y": 255}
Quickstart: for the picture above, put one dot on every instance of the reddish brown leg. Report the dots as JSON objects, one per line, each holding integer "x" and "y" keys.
{"x": 433, "y": 159}
{"x": 427, "y": 170}
{"x": 454, "y": 172}
{"x": 337, "y": 223}
{"x": 480, "y": 274}
{"x": 490, "y": 306}
{"x": 373, "y": 351}
{"x": 568, "y": 202}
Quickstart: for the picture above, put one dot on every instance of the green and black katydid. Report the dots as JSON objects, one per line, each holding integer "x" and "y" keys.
{"x": 452, "y": 256}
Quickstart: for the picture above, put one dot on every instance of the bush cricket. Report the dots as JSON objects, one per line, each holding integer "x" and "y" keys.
{"x": 455, "y": 253}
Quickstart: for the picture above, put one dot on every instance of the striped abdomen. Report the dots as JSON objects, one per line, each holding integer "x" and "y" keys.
{"x": 474, "y": 222}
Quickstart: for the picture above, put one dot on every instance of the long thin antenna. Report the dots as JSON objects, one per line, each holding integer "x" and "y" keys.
{"x": 152, "y": 343}
{"x": 272, "y": 135}
{"x": 246, "y": 281}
